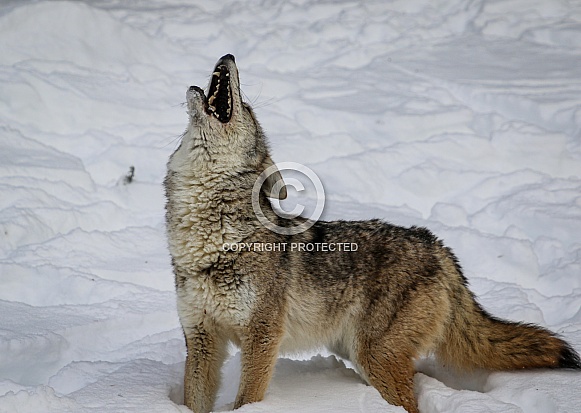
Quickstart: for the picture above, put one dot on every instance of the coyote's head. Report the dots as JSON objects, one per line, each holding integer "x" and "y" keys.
{"x": 223, "y": 130}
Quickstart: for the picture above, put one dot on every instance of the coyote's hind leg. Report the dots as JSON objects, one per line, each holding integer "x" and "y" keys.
{"x": 386, "y": 355}
{"x": 391, "y": 372}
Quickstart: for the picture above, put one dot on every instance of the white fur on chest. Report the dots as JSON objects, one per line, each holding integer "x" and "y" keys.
{"x": 196, "y": 234}
{"x": 200, "y": 299}
{"x": 198, "y": 229}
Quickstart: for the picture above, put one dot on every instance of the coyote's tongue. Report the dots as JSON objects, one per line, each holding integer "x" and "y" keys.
{"x": 219, "y": 96}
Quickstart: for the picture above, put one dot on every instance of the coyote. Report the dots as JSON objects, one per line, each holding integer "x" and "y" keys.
{"x": 400, "y": 295}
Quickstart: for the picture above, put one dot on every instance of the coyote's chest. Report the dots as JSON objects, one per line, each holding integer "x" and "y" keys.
{"x": 194, "y": 227}
{"x": 226, "y": 299}
{"x": 199, "y": 222}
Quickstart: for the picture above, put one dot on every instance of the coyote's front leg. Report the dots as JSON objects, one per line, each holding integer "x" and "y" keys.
{"x": 259, "y": 352}
{"x": 206, "y": 353}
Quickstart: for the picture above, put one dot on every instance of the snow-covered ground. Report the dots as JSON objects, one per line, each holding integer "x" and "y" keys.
{"x": 464, "y": 117}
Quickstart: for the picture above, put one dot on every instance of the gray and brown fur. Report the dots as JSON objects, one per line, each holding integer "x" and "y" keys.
{"x": 401, "y": 295}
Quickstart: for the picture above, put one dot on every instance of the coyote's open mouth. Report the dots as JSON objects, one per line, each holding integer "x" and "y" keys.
{"x": 219, "y": 101}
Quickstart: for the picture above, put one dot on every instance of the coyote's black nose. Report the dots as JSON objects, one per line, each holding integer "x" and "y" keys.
{"x": 228, "y": 57}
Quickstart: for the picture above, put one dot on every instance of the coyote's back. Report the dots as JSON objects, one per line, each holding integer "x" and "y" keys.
{"x": 397, "y": 296}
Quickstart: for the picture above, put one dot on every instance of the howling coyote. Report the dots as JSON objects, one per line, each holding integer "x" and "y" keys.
{"x": 400, "y": 295}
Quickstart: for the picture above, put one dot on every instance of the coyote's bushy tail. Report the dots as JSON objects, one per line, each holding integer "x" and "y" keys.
{"x": 475, "y": 339}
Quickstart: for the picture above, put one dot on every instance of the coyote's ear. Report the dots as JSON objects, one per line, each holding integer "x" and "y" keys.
{"x": 273, "y": 186}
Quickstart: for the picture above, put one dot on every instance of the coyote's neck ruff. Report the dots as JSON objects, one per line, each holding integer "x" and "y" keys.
{"x": 399, "y": 296}
{"x": 211, "y": 175}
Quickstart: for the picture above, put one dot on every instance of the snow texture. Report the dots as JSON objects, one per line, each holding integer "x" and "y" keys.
{"x": 464, "y": 117}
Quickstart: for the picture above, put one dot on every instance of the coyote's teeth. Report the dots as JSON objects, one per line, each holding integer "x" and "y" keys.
{"x": 219, "y": 98}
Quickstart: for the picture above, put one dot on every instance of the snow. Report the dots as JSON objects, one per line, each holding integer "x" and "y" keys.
{"x": 464, "y": 117}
